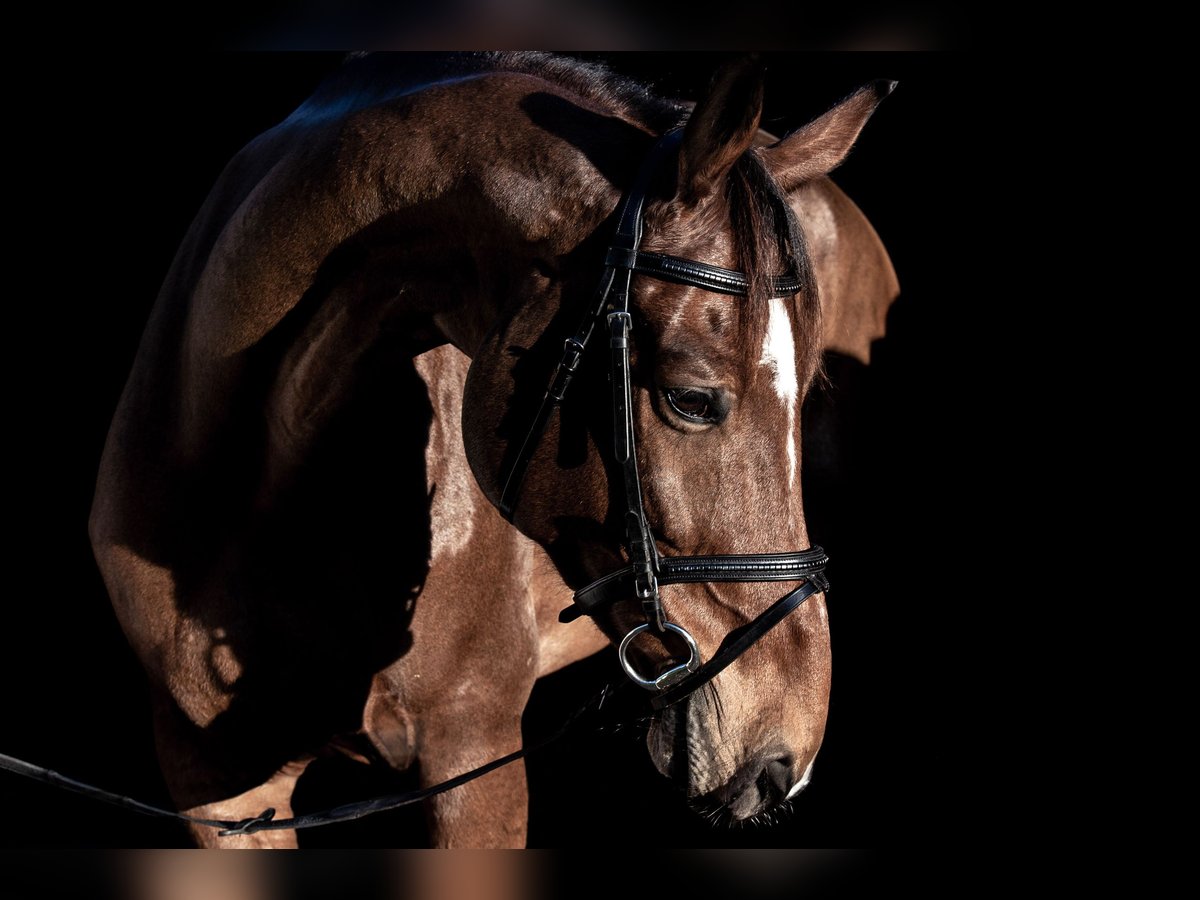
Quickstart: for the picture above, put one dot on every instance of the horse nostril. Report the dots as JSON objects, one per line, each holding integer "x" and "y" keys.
{"x": 779, "y": 773}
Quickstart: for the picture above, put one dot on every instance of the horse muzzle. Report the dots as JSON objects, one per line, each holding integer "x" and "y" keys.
{"x": 684, "y": 749}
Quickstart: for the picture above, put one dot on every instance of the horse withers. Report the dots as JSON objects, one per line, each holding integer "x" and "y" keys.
{"x": 348, "y": 351}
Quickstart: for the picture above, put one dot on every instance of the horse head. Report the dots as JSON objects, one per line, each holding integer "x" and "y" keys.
{"x": 716, "y": 387}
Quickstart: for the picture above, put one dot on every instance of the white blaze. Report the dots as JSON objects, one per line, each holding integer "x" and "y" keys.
{"x": 779, "y": 352}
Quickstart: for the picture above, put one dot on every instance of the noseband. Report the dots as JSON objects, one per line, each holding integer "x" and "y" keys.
{"x": 647, "y": 572}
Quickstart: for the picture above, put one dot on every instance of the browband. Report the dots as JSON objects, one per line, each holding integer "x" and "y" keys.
{"x": 696, "y": 274}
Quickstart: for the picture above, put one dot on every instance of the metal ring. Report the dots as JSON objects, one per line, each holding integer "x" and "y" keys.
{"x": 669, "y": 677}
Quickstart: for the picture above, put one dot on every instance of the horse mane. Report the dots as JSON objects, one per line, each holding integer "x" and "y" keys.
{"x": 365, "y": 78}
{"x": 597, "y": 83}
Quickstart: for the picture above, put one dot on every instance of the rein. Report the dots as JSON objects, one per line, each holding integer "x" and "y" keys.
{"x": 266, "y": 821}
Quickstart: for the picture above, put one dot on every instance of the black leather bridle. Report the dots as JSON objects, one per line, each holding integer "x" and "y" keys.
{"x": 647, "y": 572}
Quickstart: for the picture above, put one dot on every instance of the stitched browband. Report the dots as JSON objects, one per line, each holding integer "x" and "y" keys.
{"x": 696, "y": 274}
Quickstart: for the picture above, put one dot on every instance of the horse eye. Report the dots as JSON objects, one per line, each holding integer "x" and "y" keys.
{"x": 693, "y": 404}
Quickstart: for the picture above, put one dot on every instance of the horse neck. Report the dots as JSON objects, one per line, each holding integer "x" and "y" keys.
{"x": 325, "y": 238}
{"x": 392, "y": 232}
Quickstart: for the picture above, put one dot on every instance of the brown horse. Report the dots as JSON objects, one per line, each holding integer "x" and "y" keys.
{"x": 296, "y": 515}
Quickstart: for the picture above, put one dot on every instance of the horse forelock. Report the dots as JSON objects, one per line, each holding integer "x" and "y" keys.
{"x": 770, "y": 242}
{"x": 750, "y": 226}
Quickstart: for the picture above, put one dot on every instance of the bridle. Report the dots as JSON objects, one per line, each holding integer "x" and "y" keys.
{"x": 647, "y": 572}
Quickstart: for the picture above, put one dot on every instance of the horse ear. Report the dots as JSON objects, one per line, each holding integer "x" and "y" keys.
{"x": 721, "y": 128}
{"x": 821, "y": 145}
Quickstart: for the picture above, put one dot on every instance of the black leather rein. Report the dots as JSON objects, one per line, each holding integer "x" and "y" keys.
{"x": 647, "y": 571}
{"x": 266, "y": 821}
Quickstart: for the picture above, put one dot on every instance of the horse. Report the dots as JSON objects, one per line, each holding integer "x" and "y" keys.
{"x": 304, "y": 514}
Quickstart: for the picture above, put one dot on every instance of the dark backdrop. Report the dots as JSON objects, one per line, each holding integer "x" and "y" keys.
{"x": 110, "y": 173}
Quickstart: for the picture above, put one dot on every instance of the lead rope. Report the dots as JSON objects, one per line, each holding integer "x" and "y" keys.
{"x": 266, "y": 821}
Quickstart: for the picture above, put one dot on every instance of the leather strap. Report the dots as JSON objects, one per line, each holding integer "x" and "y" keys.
{"x": 730, "y": 568}
{"x": 639, "y": 540}
{"x": 696, "y": 274}
{"x": 612, "y": 291}
{"x": 564, "y": 373}
{"x": 738, "y": 642}
{"x": 266, "y": 821}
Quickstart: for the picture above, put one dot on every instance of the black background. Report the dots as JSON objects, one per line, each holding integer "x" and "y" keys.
{"x": 110, "y": 172}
